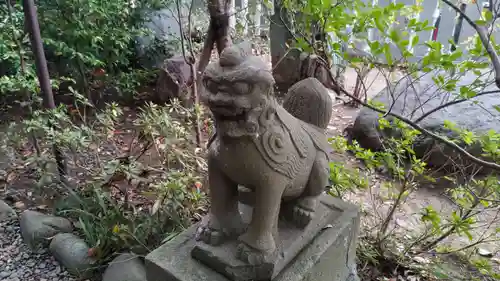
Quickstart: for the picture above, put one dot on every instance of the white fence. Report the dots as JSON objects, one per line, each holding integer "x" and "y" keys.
{"x": 251, "y": 16}
{"x": 435, "y": 12}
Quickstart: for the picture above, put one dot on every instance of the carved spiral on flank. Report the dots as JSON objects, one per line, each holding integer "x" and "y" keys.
{"x": 274, "y": 146}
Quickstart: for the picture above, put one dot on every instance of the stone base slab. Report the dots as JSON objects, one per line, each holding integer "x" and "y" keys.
{"x": 328, "y": 256}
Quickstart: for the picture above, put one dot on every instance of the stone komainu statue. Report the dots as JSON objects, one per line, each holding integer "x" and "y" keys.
{"x": 280, "y": 153}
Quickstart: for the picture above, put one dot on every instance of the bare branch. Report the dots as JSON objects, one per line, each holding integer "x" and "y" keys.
{"x": 191, "y": 61}
{"x": 482, "y": 32}
{"x": 452, "y": 103}
{"x": 412, "y": 124}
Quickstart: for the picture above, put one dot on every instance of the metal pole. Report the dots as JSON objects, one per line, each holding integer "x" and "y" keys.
{"x": 37, "y": 47}
{"x": 31, "y": 19}
{"x": 457, "y": 29}
{"x": 436, "y": 19}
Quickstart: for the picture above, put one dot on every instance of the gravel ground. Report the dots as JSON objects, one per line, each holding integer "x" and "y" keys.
{"x": 19, "y": 263}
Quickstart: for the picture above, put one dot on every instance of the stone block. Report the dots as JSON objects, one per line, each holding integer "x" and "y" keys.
{"x": 327, "y": 254}
{"x": 73, "y": 253}
{"x": 6, "y": 212}
{"x": 125, "y": 267}
{"x": 37, "y": 229}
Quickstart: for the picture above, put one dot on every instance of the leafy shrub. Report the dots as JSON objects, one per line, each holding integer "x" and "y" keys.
{"x": 119, "y": 201}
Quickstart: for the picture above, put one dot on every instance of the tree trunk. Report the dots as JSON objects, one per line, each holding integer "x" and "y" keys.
{"x": 218, "y": 32}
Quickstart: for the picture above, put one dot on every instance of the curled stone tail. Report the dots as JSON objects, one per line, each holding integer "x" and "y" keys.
{"x": 309, "y": 101}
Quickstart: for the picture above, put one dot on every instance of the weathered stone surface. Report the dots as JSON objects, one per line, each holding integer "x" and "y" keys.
{"x": 286, "y": 69}
{"x": 174, "y": 80}
{"x": 38, "y": 228}
{"x": 162, "y": 39}
{"x": 329, "y": 256}
{"x": 291, "y": 241}
{"x": 296, "y": 66}
{"x": 151, "y": 47}
{"x": 72, "y": 253}
{"x": 283, "y": 151}
{"x": 125, "y": 267}
{"x": 6, "y": 212}
{"x": 309, "y": 93}
{"x": 416, "y": 98}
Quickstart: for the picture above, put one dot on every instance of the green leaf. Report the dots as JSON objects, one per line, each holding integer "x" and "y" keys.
{"x": 468, "y": 234}
{"x": 497, "y": 107}
{"x": 456, "y": 55}
{"x": 481, "y": 22}
{"x": 394, "y": 35}
{"x": 388, "y": 54}
{"x": 379, "y": 23}
{"x": 414, "y": 40}
{"x": 466, "y": 92}
{"x": 488, "y": 15}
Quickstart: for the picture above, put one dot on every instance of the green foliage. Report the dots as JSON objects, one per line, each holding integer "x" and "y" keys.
{"x": 90, "y": 42}
{"x": 89, "y": 48}
{"x": 109, "y": 226}
{"x": 104, "y": 203}
{"x": 404, "y": 172}
{"x": 17, "y": 70}
{"x": 343, "y": 179}
{"x": 95, "y": 33}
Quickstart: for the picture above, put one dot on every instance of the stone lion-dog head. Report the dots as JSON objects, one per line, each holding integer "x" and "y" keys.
{"x": 238, "y": 89}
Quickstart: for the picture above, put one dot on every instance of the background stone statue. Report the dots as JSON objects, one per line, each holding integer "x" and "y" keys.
{"x": 280, "y": 153}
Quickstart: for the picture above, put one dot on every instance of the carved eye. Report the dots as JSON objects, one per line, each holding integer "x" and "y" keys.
{"x": 241, "y": 88}
{"x": 211, "y": 86}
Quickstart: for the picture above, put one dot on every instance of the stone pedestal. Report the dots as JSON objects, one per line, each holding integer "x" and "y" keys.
{"x": 324, "y": 251}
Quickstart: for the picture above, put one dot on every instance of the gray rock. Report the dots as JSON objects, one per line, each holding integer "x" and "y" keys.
{"x": 483, "y": 252}
{"x": 6, "y": 212}
{"x": 412, "y": 100}
{"x": 174, "y": 79}
{"x": 162, "y": 28}
{"x": 125, "y": 267}
{"x": 38, "y": 228}
{"x": 72, "y": 253}
{"x": 5, "y": 274}
{"x": 18, "y": 262}
{"x": 161, "y": 40}
{"x": 296, "y": 66}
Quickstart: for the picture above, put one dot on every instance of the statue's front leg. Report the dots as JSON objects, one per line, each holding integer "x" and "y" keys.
{"x": 258, "y": 241}
{"x": 224, "y": 220}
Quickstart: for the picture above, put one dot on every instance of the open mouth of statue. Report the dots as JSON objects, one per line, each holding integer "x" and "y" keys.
{"x": 229, "y": 113}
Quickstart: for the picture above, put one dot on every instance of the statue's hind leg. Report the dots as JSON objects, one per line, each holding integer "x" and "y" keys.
{"x": 305, "y": 205}
{"x": 224, "y": 220}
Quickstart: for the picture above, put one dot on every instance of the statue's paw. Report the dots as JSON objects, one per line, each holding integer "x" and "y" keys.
{"x": 249, "y": 255}
{"x": 209, "y": 235}
{"x": 302, "y": 217}
{"x": 303, "y": 211}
